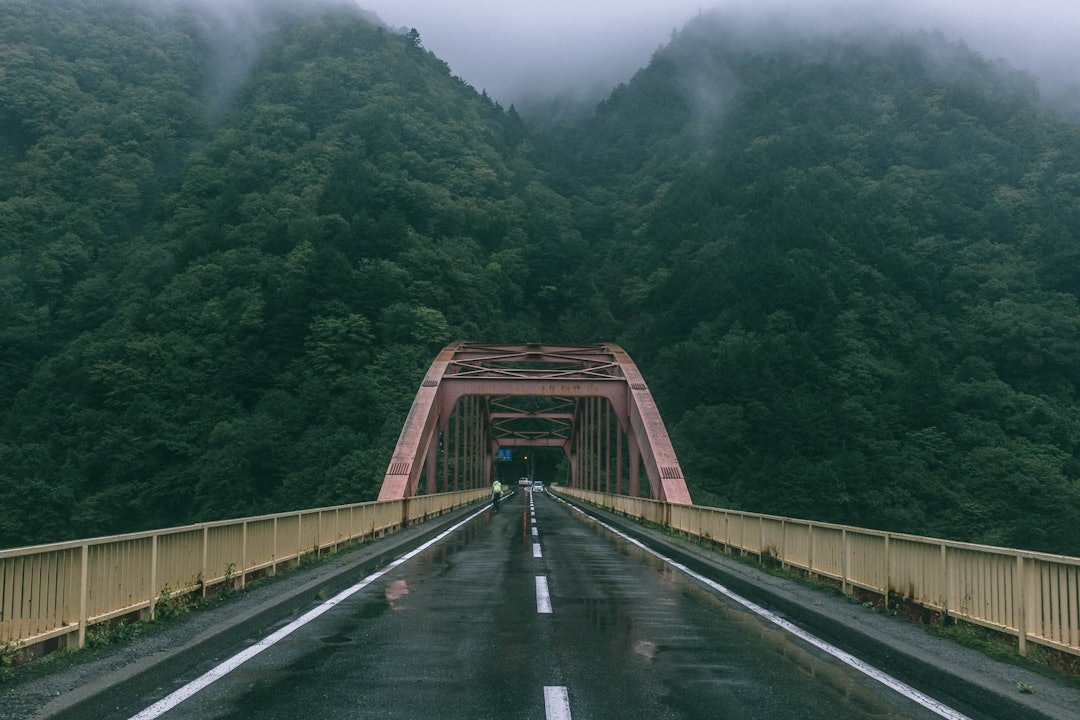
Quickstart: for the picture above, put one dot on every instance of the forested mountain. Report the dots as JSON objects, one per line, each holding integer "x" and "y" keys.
{"x": 851, "y": 267}
{"x": 209, "y": 319}
{"x": 848, "y": 266}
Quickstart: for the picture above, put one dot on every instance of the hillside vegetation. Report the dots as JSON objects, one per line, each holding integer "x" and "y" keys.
{"x": 848, "y": 266}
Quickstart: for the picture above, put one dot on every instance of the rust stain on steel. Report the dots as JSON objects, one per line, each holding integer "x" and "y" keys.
{"x": 502, "y": 374}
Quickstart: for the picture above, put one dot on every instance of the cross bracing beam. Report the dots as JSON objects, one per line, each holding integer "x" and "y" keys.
{"x": 502, "y": 435}
{"x": 589, "y": 400}
{"x": 532, "y": 442}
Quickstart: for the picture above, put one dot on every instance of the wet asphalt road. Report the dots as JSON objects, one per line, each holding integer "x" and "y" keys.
{"x": 461, "y": 631}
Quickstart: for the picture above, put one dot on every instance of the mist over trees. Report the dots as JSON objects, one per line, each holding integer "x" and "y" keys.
{"x": 848, "y": 267}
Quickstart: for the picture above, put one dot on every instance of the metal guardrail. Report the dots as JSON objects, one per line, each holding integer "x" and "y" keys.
{"x": 56, "y": 592}
{"x": 1032, "y": 596}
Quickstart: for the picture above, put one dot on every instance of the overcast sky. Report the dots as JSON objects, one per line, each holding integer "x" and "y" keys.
{"x": 524, "y": 47}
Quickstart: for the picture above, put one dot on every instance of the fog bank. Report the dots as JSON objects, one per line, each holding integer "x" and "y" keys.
{"x": 515, "y": 49}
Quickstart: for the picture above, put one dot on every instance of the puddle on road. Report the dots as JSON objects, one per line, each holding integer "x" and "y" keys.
{"x": 372, "y": 608}
{"x": 336, "y": 640}
{"x": 646, "y": 649}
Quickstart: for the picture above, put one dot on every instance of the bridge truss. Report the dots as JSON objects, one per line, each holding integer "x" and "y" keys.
{"x": 588, "y": 400}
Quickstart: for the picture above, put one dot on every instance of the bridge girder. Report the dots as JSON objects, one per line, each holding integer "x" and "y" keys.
{"x": 502, "y": 388}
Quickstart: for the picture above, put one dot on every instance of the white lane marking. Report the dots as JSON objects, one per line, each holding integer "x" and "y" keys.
{"x": 535, "y": 531}
{"x": 536, "y": 550}
{"x": 557, "y": 703}
{"x": 170, "y": 701}
{"x": 543, "y": 598}
{"x": 534, "y": 520}
{"x": 881, "y": 676}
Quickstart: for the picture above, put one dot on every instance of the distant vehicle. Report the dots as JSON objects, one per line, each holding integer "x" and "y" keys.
{"x": 523, "y": 482}
{"x": 537, "y": 486}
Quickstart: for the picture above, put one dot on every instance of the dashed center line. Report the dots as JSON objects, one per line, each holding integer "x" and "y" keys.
{"x": 536, "y": 532}
{"x": 536, "y": 550}
{"x": 556, "y": 703}
{"x": 543, "y": 598}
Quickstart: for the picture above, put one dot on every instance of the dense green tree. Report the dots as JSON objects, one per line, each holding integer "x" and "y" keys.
{"x": 219, "y": 305}
{"x": 848, "y": 266}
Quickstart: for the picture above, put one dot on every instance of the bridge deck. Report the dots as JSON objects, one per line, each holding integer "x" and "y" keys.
{"x": 465, "y": 629}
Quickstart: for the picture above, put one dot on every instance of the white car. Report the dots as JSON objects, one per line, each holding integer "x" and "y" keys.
{"x": 537, "y": 486}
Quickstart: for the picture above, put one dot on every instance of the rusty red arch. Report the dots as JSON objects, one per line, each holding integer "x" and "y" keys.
{"x": 581, "y": 383}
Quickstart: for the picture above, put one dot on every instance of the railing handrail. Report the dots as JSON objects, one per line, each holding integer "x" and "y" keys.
{"x": 1027, "y": 594}
{"x": 957, "y": 544}
{"x": 77, "y": 602}
{"x": 142, "y": 534}
{"x": 55, "y": 591}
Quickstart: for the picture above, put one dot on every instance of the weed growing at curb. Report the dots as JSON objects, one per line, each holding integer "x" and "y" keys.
{"x": 11, "y": 654}
{"x": 170, "y": 605}
{"x": 109, "y": 633}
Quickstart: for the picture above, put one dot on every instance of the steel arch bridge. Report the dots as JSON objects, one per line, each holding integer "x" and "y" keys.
{"x": 588, "y": 400}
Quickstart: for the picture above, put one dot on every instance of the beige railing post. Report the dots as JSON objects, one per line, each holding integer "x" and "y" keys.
{"x": 153, "y": 573}
{"x": 761, "y": 538}
{"x": 337, "y": 528}
{"x": 274, "y": 554}
{"x": 844, "y": 561}
{"x": 887, "y": 583}
{"x": 783, "y": 544}
{"x": 944, "y": 580}
{"x": 205, "y": 552}
{"x": 243, "y": 553}
{"x": 742, "y": 535}
{"x": 810, "y": 551}
{"x": 1020, "y": 592}
{"x": 82, "y": 594}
